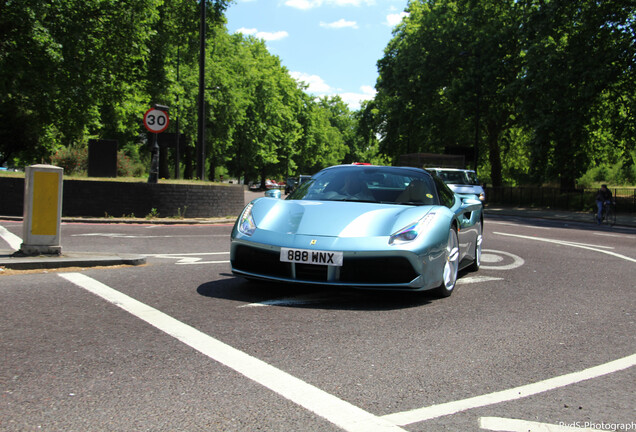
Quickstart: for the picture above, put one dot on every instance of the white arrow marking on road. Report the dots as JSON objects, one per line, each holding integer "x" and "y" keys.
{"x": 184, "y": 260}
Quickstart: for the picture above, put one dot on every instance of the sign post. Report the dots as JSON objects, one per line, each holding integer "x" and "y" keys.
{"x": 156, "y": 120}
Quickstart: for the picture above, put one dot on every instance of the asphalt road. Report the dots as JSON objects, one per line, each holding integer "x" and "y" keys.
{"x": 544, "y": 335}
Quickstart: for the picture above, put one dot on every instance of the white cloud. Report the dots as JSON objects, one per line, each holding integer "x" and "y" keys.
{"x": 354, "y": 100}
{"x": 310, "y": 4}
{"x": 316, "y": 84}
{"x": 341, "y": 23}
{"x": 303, "y": 4}
{"x": 319, "y": 88}
{"x": 246, "y": 31}
{"x": 267, "y": 36}
{"x": 351, "y": 2}
{"x": 394, "y": 19}
{"x": 272, "y": 36}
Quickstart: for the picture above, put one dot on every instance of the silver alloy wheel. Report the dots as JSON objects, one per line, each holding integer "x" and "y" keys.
{"x": 452, "y": 261}
{"x": 479, "y": 240}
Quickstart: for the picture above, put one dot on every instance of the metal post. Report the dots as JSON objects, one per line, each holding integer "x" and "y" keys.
{"x": 154, "y": 161}
{"x": 201, "y": 134}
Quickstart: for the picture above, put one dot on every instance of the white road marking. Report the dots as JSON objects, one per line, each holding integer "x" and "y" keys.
{"x": 339, "y": 412}
{"x": 601, "y": 234}
{"x": 435, "y": 411}
{"x": 519, "y": 225}
{"x": 476, "y": 279}
{"x": 290, "y": 301}
{"x": 119, "y": 235}
{"x": 517, "y": 261}
{"x": 186, "y": 258}
{"x": 512, "y": 425}
{"x": 13, "y": 240}
{"x": 566, "y": 243}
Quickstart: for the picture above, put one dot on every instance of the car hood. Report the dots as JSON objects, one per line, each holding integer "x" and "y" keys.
{"x": 334, "y": 218}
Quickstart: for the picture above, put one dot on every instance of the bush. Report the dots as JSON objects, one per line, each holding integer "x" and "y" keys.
{"x": 73, "y": 159}
{"x": 126, "y": 167}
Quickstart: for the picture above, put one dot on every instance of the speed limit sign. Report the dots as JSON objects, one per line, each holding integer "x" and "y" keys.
{"x": 156, "y": 120}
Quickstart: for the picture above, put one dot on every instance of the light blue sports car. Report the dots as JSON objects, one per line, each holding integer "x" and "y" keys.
{"x": 362, "y": 226}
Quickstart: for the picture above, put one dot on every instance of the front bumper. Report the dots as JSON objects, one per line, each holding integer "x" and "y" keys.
{"x": 388, "y": 268}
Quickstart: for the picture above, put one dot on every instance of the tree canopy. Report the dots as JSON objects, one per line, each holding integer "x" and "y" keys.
{"x": 541, "y": 87}
{"x": 528, "y": 90}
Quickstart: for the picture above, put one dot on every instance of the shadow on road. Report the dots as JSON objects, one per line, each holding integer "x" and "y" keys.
{"x": 255, "y": 293}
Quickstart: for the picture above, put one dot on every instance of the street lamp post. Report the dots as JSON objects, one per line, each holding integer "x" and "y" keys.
{"x": 201, "y": 133}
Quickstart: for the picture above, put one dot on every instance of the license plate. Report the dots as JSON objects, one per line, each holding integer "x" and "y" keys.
{"x": 305, "y": 256}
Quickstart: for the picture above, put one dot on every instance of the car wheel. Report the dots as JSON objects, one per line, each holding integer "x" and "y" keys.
{"x": 478, "y": 241}
{"x": 451, "y": 265}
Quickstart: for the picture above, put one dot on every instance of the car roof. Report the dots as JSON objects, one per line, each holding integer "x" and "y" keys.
{"x": 451, "y": 169}
{"x": 362, "y": 167}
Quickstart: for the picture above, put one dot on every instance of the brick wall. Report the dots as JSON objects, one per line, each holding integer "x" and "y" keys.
{"x": 101, "y": 198}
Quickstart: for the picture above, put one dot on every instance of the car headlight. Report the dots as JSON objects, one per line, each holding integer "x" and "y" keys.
{"x": 246, "y": 223}
{"x": 412, "y": 231}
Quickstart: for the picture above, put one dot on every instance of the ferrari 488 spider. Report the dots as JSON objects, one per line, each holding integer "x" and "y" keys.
{"x": 361, "y": 226}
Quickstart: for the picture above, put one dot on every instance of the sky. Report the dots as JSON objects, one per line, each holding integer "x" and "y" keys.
{"x": 331, "y": 45}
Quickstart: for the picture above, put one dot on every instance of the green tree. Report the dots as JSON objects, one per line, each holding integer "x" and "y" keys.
{"x": 578, "y": 68}
{"x": 445, "y": 79}
{"x": 68, "y": 68}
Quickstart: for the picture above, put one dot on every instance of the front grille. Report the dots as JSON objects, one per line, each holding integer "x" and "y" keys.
{"x": 386, "y": 270}
{"x": 260, "y": 261}
{"x": 311, "y": 272}
{"x": 359, "y": 270}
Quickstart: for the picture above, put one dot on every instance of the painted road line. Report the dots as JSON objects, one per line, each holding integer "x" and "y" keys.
{"x": 292, "y": 301}
{"x": 435, "y": 411}
{"x": 135, "y": 236}
{"x": 489, "y": 255}
{"x": 512, "y": 425}
{"x": 13, "y": 240}
{"x": 331, "y": 408}
{"x": 572, "y": 244}
{"x": 476, "y": 279}
{"x": 192, "y": 258}
{"x": 519, "y": 225}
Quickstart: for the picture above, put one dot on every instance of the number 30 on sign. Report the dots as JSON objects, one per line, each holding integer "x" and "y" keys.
{"x": 156, "y": 120}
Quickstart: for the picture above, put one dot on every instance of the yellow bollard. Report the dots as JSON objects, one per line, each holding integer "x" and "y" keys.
{"x": 42, "y": 210}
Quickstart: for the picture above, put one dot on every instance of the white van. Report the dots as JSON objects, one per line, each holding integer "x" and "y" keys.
{"x": 461, "y": 181}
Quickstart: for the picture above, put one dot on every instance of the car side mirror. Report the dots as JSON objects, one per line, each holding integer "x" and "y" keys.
{"x": 273, "y": 193}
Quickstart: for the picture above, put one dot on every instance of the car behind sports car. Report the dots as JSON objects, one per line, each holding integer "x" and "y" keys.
{"x": 361, "y": 226}
{"x": 460, "y": 181}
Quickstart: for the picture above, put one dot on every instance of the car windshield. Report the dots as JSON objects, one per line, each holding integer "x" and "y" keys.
{"x": 387, "y": 185}
{"x": 458, "y": 177}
